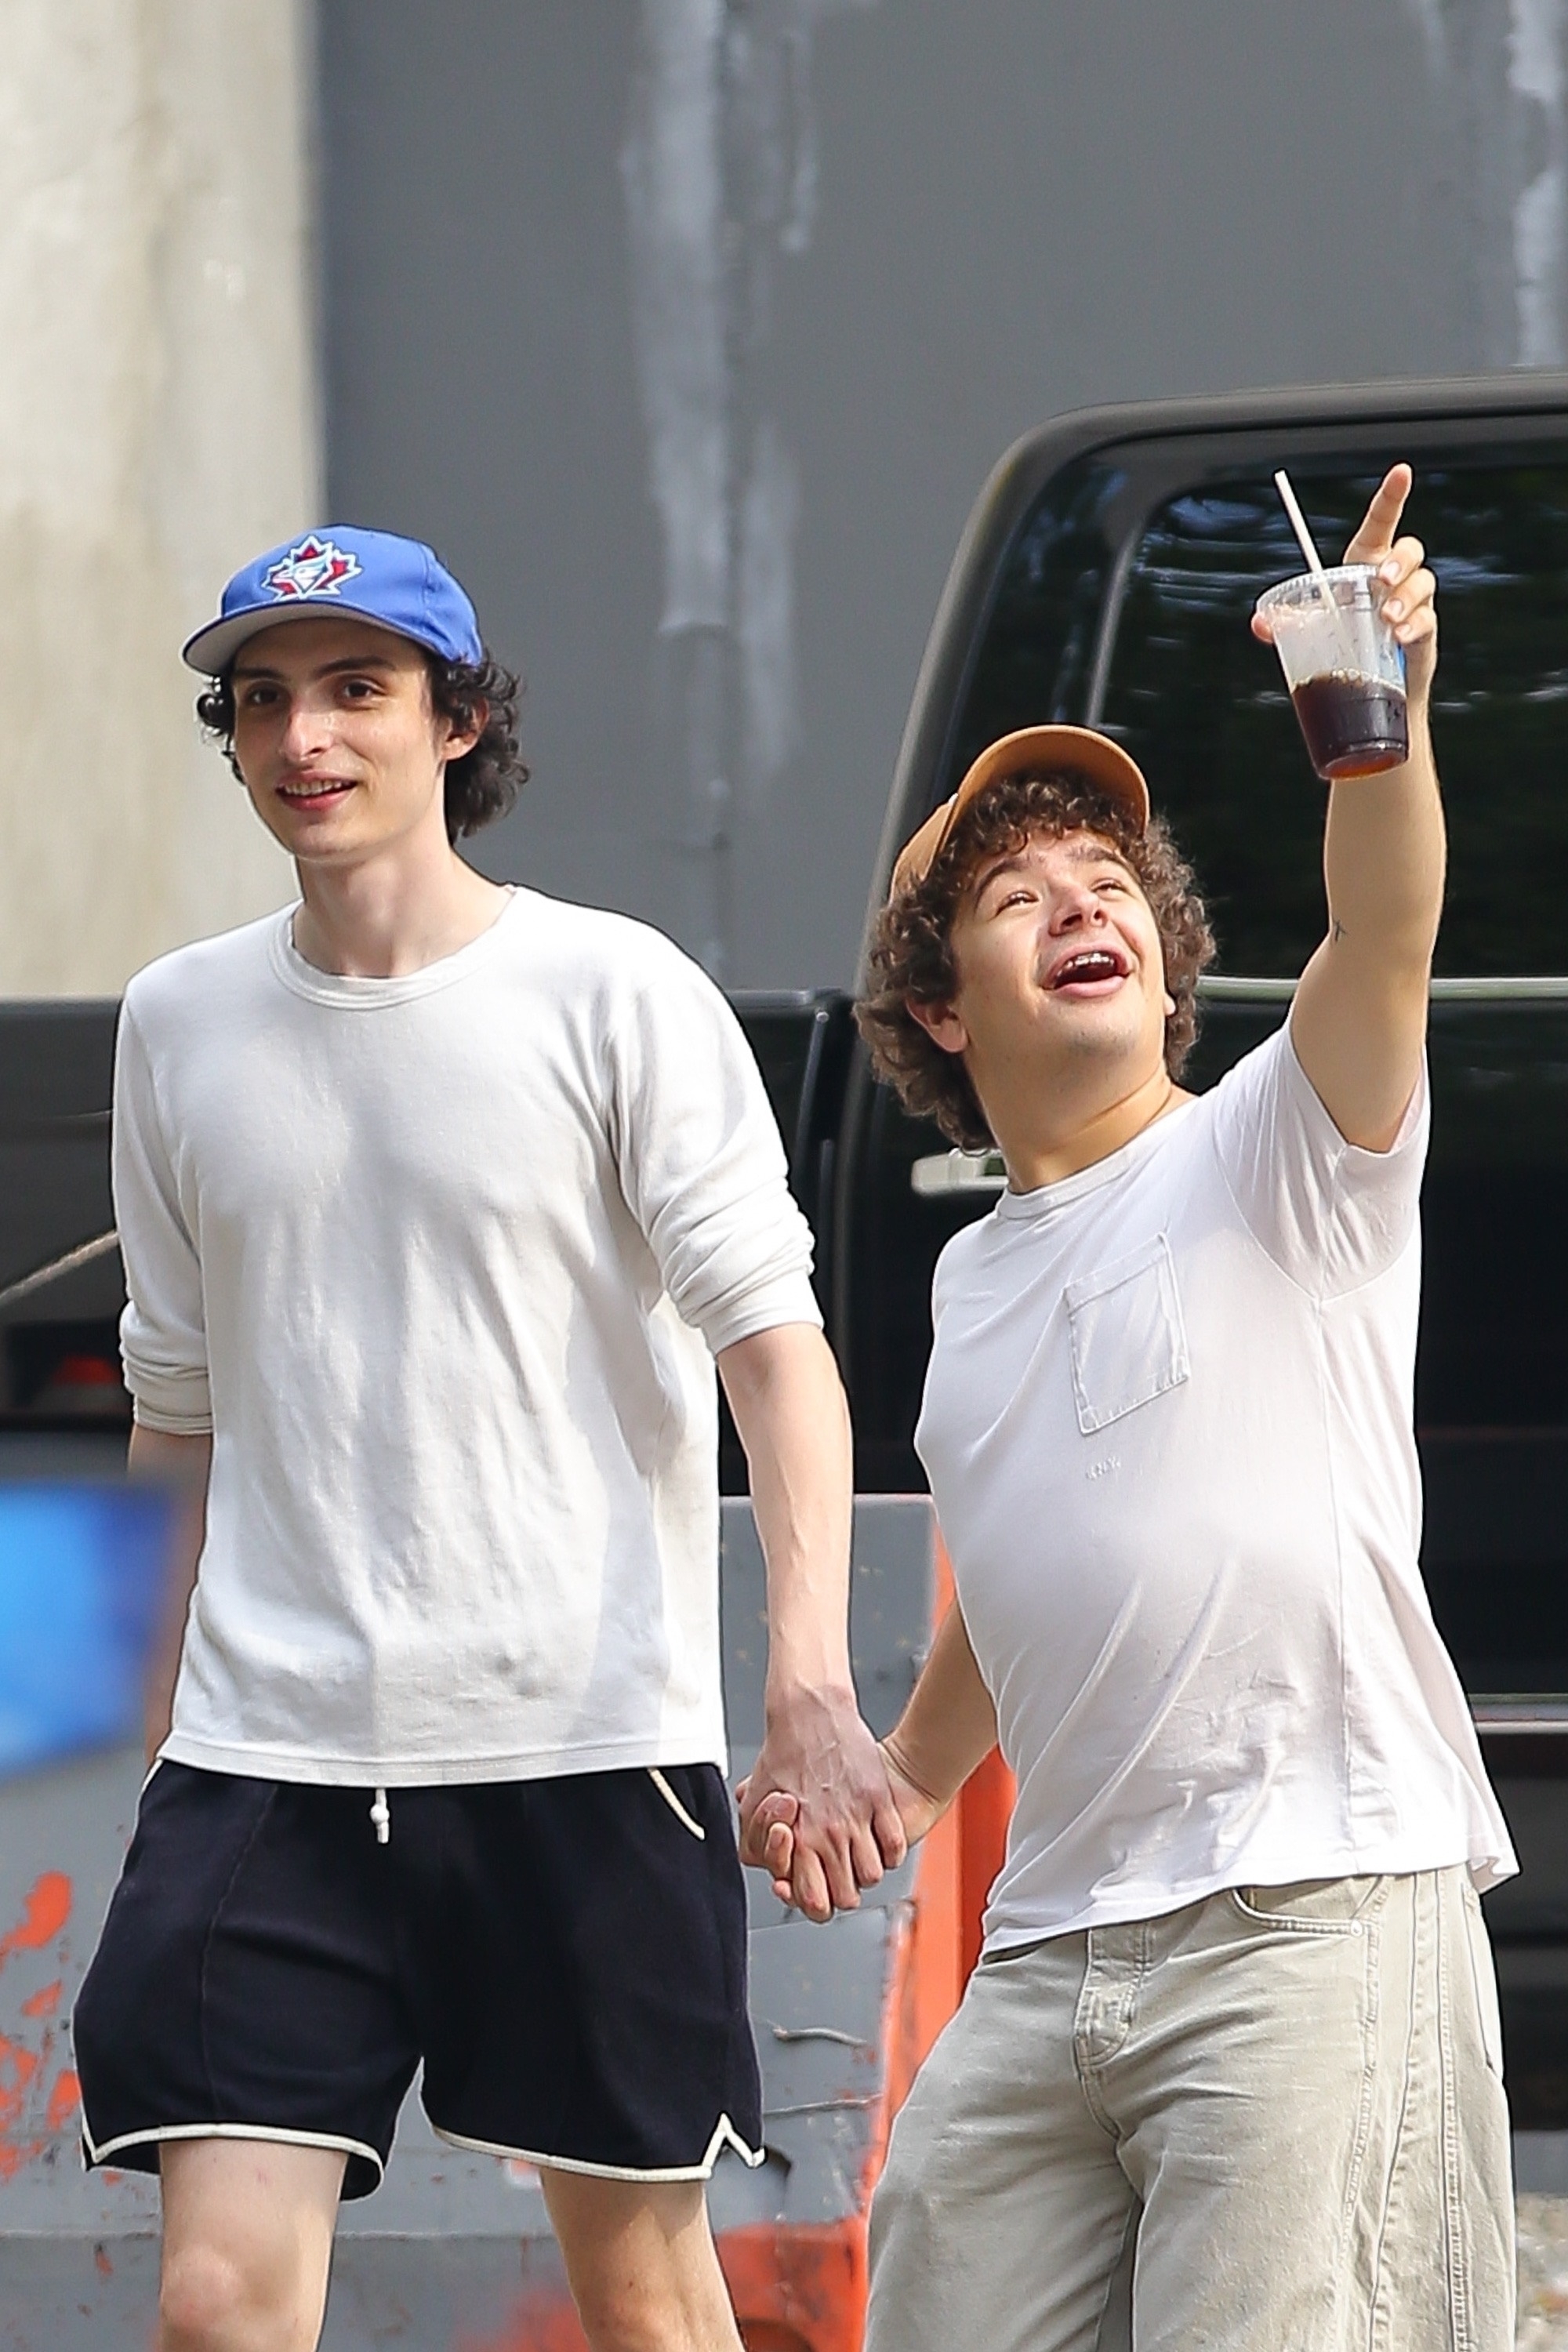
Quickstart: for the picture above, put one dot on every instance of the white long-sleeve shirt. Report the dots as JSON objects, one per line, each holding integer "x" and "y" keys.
{"x": 442, "y": 1262}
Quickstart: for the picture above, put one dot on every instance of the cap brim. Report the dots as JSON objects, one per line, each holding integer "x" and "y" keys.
{"x": 212, "y": 649}
{"x": 1059, "y": 749}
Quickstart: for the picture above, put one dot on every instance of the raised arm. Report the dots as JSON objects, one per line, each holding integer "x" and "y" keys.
{"x": 1359, "y": 1020}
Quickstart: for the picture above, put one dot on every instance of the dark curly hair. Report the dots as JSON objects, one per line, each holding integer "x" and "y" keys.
{"x": 912, "y": 945}
{"x": 482, "y": 784}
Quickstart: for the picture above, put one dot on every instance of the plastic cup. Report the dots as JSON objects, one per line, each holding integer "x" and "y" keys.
{"x": 1345, "y": 670}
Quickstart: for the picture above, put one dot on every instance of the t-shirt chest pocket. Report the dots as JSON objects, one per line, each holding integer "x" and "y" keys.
{"x": 1129, "y": 1345}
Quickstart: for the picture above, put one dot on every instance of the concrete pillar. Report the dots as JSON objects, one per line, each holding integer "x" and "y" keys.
{"x": 158, "y": 425}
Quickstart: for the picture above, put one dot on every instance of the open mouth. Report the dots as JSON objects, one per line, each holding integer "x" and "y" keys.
{"x": 1089, "y": 971}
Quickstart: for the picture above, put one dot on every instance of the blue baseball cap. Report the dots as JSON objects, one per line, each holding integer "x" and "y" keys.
{"x": 370, "y": 575}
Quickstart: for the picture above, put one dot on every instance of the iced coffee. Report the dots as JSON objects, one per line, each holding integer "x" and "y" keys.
{"x": 1344, "y": 669}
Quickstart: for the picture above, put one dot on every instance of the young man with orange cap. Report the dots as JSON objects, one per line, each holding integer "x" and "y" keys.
{"x": 438, "y": 1203}
{"x": 1228, "y": 2072}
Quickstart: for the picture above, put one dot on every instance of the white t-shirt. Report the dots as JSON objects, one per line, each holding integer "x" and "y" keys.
{"x": 442, "y": 1262}
{"x": 1168, "y": 1428}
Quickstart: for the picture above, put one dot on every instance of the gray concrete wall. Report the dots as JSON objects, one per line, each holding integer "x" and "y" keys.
{"x": 158, "y": 423}
{"x": 689, "y": 329}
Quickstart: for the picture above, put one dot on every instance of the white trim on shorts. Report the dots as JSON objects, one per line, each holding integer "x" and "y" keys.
{"x": 724, "y": 2136}
{"x": 111, "y": 2148}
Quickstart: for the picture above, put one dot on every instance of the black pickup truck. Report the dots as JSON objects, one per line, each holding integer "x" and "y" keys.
{"x": 1106, "y": 577}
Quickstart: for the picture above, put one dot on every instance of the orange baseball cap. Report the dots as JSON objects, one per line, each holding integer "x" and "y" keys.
{"x": 1067, "y": 750}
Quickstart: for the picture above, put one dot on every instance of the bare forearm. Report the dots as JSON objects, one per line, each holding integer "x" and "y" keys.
{"x": 184, "y": 1464}
{"x": 788, "y": 1402}
{"x": 1360, "y": 1017}
{"x": 950, "y": 1724}
{"x": 1384, "y": 853}
{"x": 816, "y": 1754}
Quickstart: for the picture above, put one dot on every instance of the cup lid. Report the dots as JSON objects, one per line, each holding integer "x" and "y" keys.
{"x": 1304, "y": 589}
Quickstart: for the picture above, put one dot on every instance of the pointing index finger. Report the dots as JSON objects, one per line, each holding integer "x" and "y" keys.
{"x": 1381, "y": 520}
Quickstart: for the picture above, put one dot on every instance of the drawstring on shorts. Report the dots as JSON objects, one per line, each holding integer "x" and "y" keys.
{"x": 381, "y": 1814}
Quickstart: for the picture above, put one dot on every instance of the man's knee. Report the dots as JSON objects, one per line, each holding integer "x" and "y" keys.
{"x": 659, "y": 2313}
{"x": 247, "y": 2236}
{"x": 629, "y": 2315}
{"x": 206, "y": 2301}
{"x": 211, "y": 2299}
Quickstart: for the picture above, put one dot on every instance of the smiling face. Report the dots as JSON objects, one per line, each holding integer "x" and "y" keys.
{"x": 335, "y": 736}
{"x": 1061, "y": 981}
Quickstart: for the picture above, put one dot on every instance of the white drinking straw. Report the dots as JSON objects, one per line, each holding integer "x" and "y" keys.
{"x": 1292, "y": 507}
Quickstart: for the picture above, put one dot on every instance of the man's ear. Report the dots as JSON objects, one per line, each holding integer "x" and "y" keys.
{"x": 461, "y": 741}
{"x": 941, "y": 1023}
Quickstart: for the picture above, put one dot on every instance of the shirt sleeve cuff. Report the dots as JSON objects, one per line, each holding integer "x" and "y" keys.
{"x": 179, "y": 1404}
{"x": 1412, "y": 1126}
{"x": 791, "y": 1300}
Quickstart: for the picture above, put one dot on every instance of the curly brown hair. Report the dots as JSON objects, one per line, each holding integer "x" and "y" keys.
{"x": 482, "y": 784}
{"x": 912, "y": 945}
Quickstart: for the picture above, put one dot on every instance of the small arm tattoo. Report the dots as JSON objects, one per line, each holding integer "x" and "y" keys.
{"x": 1338, "y": 931}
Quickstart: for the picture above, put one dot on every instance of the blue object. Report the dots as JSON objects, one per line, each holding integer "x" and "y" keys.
{"x": 81, "y": 1581}
{"x": 370, "y": 575}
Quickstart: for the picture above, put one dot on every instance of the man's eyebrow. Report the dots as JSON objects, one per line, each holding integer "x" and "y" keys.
{"x": 1006, "y": 864}
{"x": 357, "y": 663}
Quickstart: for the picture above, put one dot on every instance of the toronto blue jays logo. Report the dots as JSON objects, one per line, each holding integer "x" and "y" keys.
{"x": 317, "y": 567}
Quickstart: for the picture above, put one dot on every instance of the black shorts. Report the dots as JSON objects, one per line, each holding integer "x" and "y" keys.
{"x": 567, "y": 1957}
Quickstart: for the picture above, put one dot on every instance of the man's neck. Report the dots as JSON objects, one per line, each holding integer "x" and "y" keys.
{"x": 1038, "y": 1152}
{"x": 392, "y": 913}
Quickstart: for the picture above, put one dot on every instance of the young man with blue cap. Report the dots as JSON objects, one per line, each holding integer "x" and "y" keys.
{"x": 437, "y": 1202}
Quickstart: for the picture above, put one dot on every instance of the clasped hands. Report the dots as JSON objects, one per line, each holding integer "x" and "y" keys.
{"x": 826, "y": 1809}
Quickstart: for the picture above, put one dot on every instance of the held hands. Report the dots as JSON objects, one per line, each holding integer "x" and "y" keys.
{"x": 776, "y": 1835}
{"x": 821, "y": 1800}
{"x": 1409, "y": 588}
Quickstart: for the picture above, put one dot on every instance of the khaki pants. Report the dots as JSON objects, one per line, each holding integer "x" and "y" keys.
{"x": 1272, "y": 2122}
